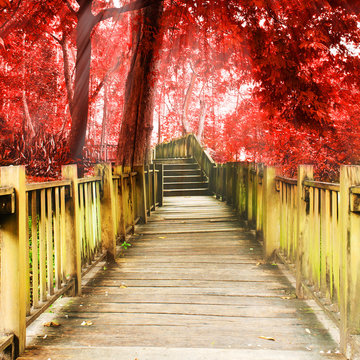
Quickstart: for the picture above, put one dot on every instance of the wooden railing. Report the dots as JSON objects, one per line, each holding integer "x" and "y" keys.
{"x": 313, "y": 225}
{"x": 53, "y": 232}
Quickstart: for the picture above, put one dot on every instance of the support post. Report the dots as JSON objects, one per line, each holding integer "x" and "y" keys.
{"x": 305, "y": 172}
{"x": 154, "y": 186}
{"x": 72, "y": 231}
{"x": 13, "y": 260}
{"x": 118, "y": 170}
{"x": 160, "y": 184}
{"x": 107, "y": 212}
{"x": 271, "y": 212}
{"x": 140, "y": 188}
{"x": 349, "y": 258}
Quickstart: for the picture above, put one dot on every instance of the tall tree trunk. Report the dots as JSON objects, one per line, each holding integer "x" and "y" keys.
{"x": 184, "y": 113}
{"x": 105, "y": 115}
{"x": 137, "y": 125}
{"x": 28, "y": 127}
{"x": 202, "y": 119}
{"x": 85, "y": 24}
{"x": 79, "y": 109}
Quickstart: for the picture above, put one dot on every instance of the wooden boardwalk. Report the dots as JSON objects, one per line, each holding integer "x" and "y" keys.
{"x": 191, "y": 286}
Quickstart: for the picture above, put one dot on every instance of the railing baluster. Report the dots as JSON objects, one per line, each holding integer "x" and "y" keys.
{"x": 27, "y": 256}
{"x": 34, "y": 248}
{"x": 49, "y": 244}
{"x": 42, "y": 246}
{"x": 57, "y": 240}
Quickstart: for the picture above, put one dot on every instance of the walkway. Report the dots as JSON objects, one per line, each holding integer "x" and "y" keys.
{"x": 190, "y": 287}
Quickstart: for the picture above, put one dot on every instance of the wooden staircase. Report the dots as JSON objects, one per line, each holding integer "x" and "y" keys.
{"x": 184, "y": 177}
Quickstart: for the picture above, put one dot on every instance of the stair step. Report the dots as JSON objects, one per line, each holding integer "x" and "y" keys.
{"x": 175, "y": 161}
{"x": 185, "y": 166}
{"x": 183, "y": 172}
{"x": 186, "y": 185}
{"x": 188, "y": 178}
{"x": 186, "y": 192}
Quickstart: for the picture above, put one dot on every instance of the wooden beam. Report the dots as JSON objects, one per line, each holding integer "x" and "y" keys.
{"x": 107, "y": 212}
{"x": 271, "y": 213}
{"x": 13, "y": 260}
{"x": 72, "y": 221}
{"x": 305, "y": 172}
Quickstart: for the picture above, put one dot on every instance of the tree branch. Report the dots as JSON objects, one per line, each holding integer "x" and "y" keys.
{"x": 135, "y": 5}
{"x": 72, "y": 10}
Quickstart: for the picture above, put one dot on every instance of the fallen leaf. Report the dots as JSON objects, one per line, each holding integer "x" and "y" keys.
{"x": 86, "y": 323}
{"x": 122, "y": 286}
{"x": 52, "y": 324}
{"x": 162, "y": 237}
{"x": 267, "y": 338}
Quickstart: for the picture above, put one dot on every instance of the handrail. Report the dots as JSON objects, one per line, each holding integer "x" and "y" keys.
{"x": 286, "y": 180}
{"x": 47, "y": 185}
{"x": 7, "y": 190}
{"x": 322, "y": 185}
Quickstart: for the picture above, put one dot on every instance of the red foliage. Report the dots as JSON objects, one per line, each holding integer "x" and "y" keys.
{"x": 277, "y": 81}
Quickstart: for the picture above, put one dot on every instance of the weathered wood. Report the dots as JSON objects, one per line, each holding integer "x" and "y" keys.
{"x": 304, "y": 172}
{"x": 349, "y": 258}
{"x": 140, "y": 188}
{"x": 198, "y": 290}
{"x": 49, "y": 244}
{"x": 72, "y": 221}
{"x": 271, "y": 207}
{"x": 42, "y": 247}
{"x": 13, "y": 259}
{"x": 57, "y": 243}
{"x": 34, "y": 248}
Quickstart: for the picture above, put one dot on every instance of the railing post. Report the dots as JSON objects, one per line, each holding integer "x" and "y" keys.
{"x": 250, "y": 193}
{"x": 305, "y": 172}
{"x": 259, "y": 198}
{"x": 72, "y": 231}
{"x": 140, "y": 189}
{"x": 271, "y": 207}
{"x": 349, "y": 219}
{"x": 107, "y": 212}
{"x": 13, "y": 260}
{"x": 161, "y": 184}
{"x": 154, "y": 185}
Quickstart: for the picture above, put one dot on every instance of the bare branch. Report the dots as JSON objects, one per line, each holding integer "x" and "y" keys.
{"x": 104, "y": 80}
{"x": 135, "y": 5}
{"x": 56, "y": 39}
{"x": 72, "y": 10}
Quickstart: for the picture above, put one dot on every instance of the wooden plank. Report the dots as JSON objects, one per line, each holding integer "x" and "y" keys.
{"x": 34, "y": 248}
{"x": 198, "y": 290}
{"x": 42, "y": 246}
{"x": 57, "y": 243}
{"x": 49, "y": 245}
{"x": 47, "y": 185}
{"x": 63, "y": 234}
{"x": 27, "y": 257}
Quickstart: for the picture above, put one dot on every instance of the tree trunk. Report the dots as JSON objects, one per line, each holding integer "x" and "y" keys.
{"x": 202, "y": 119}
{"x": 184, "y": 117}
{"x": 137, "y": 124}
{"x": 79, "y": 109}
{"x": 103, "y": 125}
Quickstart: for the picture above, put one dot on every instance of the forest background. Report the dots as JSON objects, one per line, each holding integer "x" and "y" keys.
{"x": 272, "y": 81}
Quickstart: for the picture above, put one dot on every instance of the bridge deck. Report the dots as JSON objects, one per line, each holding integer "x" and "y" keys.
{"x": 191, "y": 286}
